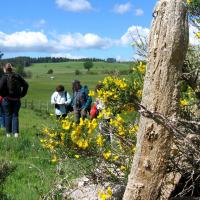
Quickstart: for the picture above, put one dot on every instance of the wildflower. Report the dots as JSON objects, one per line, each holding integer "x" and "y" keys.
{"x": 107, "y": 155}
{"x": 142, "y": 68}
{"x": 54, "y": 159}
{"x": 184, "y": 102}
{"x": 189, "y": 1}
{"x": 45, "y": 130}
{"x": 122, "y": 168}
{"x": 198, "y": 35}
{"x": 77, "y": 156}
{"x": 91, "y": 93}
{"x": 139, "y": 93}
{"x": 116, "y": 157}
{"x": 105, "y": 195}
{"x": 99, "y": 140}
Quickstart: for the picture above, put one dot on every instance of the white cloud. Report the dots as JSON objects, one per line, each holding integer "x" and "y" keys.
{"x": 28, "y": 41}
{"x": 122, "y": 8}
{"x": 39, "y": 42}
{"x": 23, "y": 41}
{"x": 133, "y": 34}
{"x": 79, "y": 41}
{"x": 139, "y": 12}
{"x": 74, "y": 5}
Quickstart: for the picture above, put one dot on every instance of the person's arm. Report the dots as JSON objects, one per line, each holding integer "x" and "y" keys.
{"x": 87, "y": 103}
{"x": 2, "y": 85}
{"x": 68, "y": 100}
{"x": 24, "y": 87}
{"x": 53, "y": 98}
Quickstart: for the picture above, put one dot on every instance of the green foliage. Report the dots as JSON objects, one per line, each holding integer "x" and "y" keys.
{"x": 77, "y": 72}
{"x": 50, "y": 71}
{"x": 88, "y": 65}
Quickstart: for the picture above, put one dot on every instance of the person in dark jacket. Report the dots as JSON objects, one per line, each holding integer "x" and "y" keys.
{"x": 12, "y": 88}
{"x": 81, "y": 102}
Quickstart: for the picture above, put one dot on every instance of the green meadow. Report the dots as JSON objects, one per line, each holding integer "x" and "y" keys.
{"x": 42, "y": 86}
{"x": 34, "y": 174}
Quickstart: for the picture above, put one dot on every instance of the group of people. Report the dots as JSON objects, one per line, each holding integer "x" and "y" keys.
{"x": 12, "y": 88}
{"x": 79, "y": 102}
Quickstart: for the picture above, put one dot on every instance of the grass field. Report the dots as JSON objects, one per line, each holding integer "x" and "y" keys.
{"x": 34, "y": 173}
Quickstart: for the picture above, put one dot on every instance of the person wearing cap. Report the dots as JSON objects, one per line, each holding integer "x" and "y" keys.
{"x": 12, "y": 88}
{"x": 61, "y": 99}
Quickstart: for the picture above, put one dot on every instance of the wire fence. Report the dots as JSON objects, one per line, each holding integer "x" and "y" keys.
{"x": 37, "y": 105}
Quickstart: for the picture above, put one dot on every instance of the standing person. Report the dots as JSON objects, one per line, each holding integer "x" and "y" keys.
{"x": 81, "y": 102}
{"x": 12, "y": 88}
{"x": 61, "y": 100}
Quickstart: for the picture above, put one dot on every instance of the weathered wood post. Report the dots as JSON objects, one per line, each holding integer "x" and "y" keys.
{"x": 167, "y": 48}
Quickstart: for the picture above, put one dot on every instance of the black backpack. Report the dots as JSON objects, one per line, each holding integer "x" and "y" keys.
{"x": 13, "y": 84}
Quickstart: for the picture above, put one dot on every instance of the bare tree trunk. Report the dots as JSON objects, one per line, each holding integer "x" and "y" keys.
{"x": 168, "y": 44}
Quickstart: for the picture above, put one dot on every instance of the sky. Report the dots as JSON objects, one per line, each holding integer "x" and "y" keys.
{"x": 73, "y": 28}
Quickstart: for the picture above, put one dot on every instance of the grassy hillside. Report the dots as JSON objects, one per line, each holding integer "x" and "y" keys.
{"x": 42, "y": 86}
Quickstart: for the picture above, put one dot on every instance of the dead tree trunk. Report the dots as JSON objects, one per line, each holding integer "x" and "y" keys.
{"x": 168, "y": 42}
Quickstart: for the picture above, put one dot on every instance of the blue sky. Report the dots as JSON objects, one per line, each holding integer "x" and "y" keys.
{"x": 73, "y": 28}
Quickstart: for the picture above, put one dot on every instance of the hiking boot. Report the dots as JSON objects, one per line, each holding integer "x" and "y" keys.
{"x": 16, "y": 135}
{"x": 8, "y": 135}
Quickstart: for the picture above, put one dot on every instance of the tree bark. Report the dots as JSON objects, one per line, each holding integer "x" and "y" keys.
{"x": 168, "y": 42}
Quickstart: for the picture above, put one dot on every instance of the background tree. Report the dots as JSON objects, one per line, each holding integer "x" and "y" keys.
{"x": 167, "y": 48}
{"x": 88, "y": 65}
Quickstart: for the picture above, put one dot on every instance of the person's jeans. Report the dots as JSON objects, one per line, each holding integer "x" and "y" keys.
{"x": 11, "y": 109}
{"x": 2, "y": 117}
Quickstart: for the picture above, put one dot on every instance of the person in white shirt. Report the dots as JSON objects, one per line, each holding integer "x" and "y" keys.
{"x": 61, "y": 99}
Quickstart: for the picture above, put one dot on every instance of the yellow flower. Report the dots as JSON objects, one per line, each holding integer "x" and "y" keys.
{"x": 198, "y": 35}
{"x": 122, "y": 168}
{"x": 142, "y": 68}
{"x": 107, "y": 155}
{"x": 184, "y": 102}
{"x": 51, "y": 114}
{"x": 83, "y": 144}
{"x": 91, "y": 93}
{"x": 99, "y": 140}
{"x": 81, "y": 123}
{"x": 105, "y": 195}
{"x": 139, "y": 93}
{"x": 116, "y": 158}
{"x": 45, "y": 130}
{"x": 54, "y": 159}
{"x": 109, "y": 191}
{"x": 77, "y": 156}
{"x": 66, "y": 125}
{"x": 189, "y": 1}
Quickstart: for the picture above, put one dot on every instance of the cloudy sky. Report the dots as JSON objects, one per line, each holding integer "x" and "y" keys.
{"x": 73, "y": 28}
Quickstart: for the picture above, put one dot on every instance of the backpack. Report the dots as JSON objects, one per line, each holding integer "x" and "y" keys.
{"x": 13, "y": 84}
{"x": 86, "y": 99}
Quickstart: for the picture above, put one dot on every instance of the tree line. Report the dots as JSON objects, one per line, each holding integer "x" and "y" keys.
{"x": 27, "y": 61}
